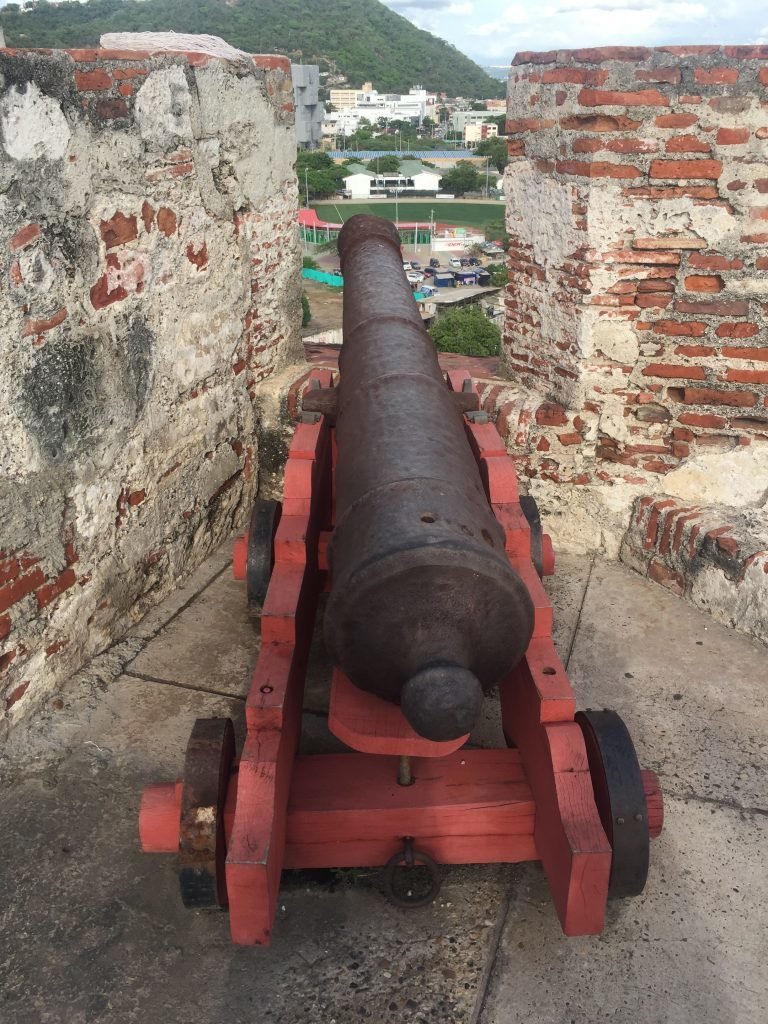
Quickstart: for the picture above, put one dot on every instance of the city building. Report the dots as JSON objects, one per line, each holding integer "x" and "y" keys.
{"x": 412, "y": 177}
{"x": 459, "y": 119}
{"x": 479, "y": 132}
{"x": 309, "y": 109}
{"x": 368, "y": 102}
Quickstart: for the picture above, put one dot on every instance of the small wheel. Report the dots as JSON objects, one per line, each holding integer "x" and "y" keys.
{"x": 411, "y": 878}
{"x": 531, "y": 513}
{"x": 261, "y": 549}
{"x": 202, "y": 843}
{"x": 619, "y": 794}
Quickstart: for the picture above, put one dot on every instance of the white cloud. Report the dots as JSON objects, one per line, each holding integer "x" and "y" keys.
{"x": 492, "y": 31}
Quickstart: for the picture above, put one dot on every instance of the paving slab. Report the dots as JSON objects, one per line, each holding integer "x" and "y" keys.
{"x": 693, "y": 693}
{"x": 211, "y": 644}
{"x": 691, "y": 948}
{"x": 94, "y": 931}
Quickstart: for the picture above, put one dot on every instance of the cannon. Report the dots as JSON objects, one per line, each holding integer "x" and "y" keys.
{"x": 401, "y": 501}
{"x": 415, "y": 539}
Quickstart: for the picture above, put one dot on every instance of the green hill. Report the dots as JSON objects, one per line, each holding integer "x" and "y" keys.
{"x": 361, "y": 39}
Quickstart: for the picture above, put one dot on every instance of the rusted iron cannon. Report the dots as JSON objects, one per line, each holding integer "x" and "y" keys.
{"x": 415, "y": 541}
{"x": 401, "y": 499}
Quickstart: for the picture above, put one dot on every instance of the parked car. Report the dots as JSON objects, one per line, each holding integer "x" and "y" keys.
{"x": 454, "y": 261}
{"x": 465, "y": 261}
{"x": 474, "y": 261}
{"x": 338, "y": 272}
{"x": 428, "y": 290}
{"x": 407, "y": 266}
{"x": 415, "y": 264}
{"x": 428, "y": 271}
{"x": 434, "y": 262}
{"x": 415, "y": 276}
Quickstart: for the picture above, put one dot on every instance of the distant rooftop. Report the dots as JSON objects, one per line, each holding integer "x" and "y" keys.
{"x": 421, "y": 154}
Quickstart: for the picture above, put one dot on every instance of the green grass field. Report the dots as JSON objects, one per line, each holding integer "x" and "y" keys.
{"x": 469, "y": 214}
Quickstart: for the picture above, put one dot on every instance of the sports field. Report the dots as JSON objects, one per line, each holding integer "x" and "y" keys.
{"x": 471, "y": 214}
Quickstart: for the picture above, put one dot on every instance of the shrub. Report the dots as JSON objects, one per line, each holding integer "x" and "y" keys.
{"x": 467, "y": 331}
{"x": 306, "y": 312}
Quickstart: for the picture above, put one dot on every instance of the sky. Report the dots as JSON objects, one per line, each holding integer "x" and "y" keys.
{"x": 492, "y": 31}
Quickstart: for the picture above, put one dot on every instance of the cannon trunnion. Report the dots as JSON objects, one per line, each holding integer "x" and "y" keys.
{"x": 401, "y": 500}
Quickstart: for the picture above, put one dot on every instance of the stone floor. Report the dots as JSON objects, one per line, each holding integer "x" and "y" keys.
{"x": 93, "y": 931}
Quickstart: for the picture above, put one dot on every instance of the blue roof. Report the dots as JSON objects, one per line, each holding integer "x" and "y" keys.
{"x": 414, "y": 154}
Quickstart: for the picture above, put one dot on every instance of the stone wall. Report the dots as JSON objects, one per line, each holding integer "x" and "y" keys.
{"x": 637, "y": 310}
{"x": 150, "y": 266}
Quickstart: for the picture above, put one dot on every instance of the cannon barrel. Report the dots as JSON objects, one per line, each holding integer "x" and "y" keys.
{"x": 425, "y": 609}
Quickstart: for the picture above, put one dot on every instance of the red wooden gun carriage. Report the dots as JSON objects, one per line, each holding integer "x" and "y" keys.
{"x": 401, "y": 499}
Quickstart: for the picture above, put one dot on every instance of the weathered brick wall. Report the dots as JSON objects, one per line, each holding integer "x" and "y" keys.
{"x": 637, "y": 309}
{"x": 150, "y": 268}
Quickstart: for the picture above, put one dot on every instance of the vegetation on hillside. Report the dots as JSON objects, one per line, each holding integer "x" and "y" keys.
{"x": 466, "y": 330}
{"x": 362, "y": 39}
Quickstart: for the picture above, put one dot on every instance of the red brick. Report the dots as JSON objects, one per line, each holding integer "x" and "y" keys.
{"x": 762, "y": 76}
{"x": 9, "y": 569}
{"x": 649, "y": 541}
{"x": 761, "y": 263}
{"x": 702, "y": 419}
{"x": 24, "y": 237}
{"x": 5, "y": 626}
{"x": 758, "y": 239}
{"x": 666, "y": 577}
{"x": 121, "y": 73}
{"x": 587, "y": 145}
{"x": 607, "y": 98}
{"x": 758, "y": 213}
{"x": 713, "y": 261}
{"x": 50, "y": 591}
{"x": 704, "y": 283}
{"x": 166, "y": 221}
{"x": 668, "y": 75}
{"x": 92, "y": 81}
{"x": 738, "y": 330}
{"x": 681, "y": 328}
{"x": 550, "y": 414}
{"x": 529, "y": 124}
{"x": 147, "y": 215}
{"x": 670, "y": 370}
{"x": 690, "y": 51}
{"x": 573, "y": 76}
{"x": 676, "y": 120}
{"x": 41, "y": 326}
{"x": 16, "y": 694}
{"x": 110, "y": 109}
{"x": 716, "y": 76}
{"x": 747, "y": 376}
{"x": 759, "y": 354}
{"x": 686, "y": 169}
{"x": 757, "y": 51}
{"x": 694, "y": 350}
{"x": 732, "y": 136}
{"x": 197, "y": 254}
{"x": 118, "y": 230}
{"x": 13, "y": 592}
{"x": 710, "y": 396}
{"x": 568, "y": 439}
{"x": 599, "y": 123}
{"x": 669, "y": 242}
{"x": 653, "y": 300}
{"x": 101, "y": 295}
{"x": 687, "y": 144}
{"x": 722, "y": 308}
{"x": 125, "y": 89}
{"x": 598, "y": 54}
{"x": 136, "y": 497}
{"x": 597, "y": 169}
{"x": 671, "y": 192}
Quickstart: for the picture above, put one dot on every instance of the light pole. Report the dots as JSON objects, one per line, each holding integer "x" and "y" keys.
{"x": 306, "y": 186}
{"x": 486, "y": 176}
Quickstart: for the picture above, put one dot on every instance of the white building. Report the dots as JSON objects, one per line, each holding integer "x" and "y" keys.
{"x": 368, "y": 102}
{"x": 479, "y": 132}
{"x": 412, "y": 177}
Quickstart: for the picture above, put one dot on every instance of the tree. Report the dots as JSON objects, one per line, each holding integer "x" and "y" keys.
{"x": 496, "y": 149}
{"x": 477, "y": 106}
{"x": 387, "y": 164}
{"x": 467, "y": 331}
{"x": 306, "y": 312}
{"x": 499, "y": 276}
{"x": 464, "y": 177}
{"x": 496, "y": 231}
